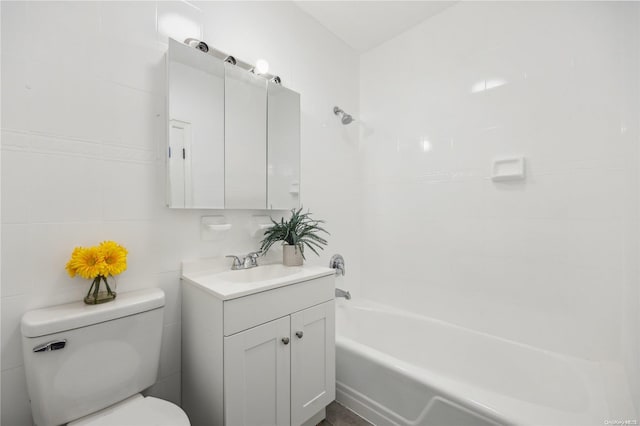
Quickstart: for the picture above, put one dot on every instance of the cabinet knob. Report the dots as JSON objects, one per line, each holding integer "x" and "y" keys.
{"x": 285, "y": 340}
{"x": 299, "y": 334}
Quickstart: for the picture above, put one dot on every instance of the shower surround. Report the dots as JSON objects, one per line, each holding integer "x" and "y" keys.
{"x": 550, "y": 261}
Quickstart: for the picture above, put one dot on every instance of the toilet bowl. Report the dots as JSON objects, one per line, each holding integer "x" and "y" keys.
{"x": 139, "y": 411}
{"x": 87, "y": 364}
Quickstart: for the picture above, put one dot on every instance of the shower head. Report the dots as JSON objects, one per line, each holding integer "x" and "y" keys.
{"x": 344, "y": 117}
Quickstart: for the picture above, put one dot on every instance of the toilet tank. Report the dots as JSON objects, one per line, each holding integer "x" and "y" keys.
{"x": 82, "y": 358}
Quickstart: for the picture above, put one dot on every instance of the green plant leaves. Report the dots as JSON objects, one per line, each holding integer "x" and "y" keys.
{"x": 300, "y": 230}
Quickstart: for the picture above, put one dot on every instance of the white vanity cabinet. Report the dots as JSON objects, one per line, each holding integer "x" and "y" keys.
{"x": 264, "y": 358}
{"x": 281, "y": 372}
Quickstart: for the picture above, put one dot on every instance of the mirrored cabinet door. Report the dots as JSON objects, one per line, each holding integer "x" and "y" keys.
{"x": 196, "y": 128}
{"x": 245, "y": 139}
{"x": 233, "y": 136}
{"x": 283, "y": 148}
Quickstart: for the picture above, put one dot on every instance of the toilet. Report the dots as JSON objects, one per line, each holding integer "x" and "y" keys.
{"x": 87, "y": 364}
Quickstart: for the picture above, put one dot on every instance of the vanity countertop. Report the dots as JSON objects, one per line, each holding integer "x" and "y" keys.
{"x": 226, "y": 284}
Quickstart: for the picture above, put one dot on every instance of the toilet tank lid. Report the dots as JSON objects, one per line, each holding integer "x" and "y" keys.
{"x": 60, "y": 318}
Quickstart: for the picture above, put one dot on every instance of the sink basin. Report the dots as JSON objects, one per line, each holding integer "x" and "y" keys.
{"x": 227, "y": 284}
{"x": 260, "y": 273}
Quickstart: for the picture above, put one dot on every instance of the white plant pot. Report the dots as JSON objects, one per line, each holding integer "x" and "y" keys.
{"x": 291, "y": 255}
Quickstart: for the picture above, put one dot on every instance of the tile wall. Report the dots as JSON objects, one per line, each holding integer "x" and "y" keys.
{"x": 83, "y": 137}
{"x": 550, "y": 261}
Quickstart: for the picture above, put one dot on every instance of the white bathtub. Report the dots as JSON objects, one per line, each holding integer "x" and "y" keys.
{"x": 398, "y": 368}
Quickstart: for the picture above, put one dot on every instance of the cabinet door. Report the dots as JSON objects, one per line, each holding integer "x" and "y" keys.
{"x": 245, "y": 139}
{"x": 313, "y": 372}
{"x": 196, "y": 128}
{"x": 257, "y": 375}
{"x": 283, "y": 148}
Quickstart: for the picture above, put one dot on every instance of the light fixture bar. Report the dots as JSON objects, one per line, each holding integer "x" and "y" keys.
{"x": 205, "y": 48}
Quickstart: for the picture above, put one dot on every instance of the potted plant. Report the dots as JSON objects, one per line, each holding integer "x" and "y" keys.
{"x": 298, "y": 232}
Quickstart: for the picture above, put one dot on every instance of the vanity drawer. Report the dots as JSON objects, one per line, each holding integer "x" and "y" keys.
{"x": 255, "y": 309}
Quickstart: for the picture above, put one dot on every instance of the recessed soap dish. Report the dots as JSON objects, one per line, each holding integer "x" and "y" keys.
{"x": 214, "y": 227}
{"x": 505, "y": 169}
{"x": 218, "y": 227}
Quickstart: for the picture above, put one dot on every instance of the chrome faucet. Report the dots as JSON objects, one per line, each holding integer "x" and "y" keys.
{"x": 244, "y": 262}
{"x": 342, "y": 293}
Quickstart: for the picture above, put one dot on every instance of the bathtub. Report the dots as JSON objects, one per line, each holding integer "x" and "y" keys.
{"x": 397, "y": 368}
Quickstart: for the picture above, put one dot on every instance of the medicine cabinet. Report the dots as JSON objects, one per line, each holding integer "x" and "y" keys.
{"x": 233, "y": 137}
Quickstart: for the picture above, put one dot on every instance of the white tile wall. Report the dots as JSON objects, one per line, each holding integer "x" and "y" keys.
{"x": 550, "y": 261}
{"x": 546, "y": 262}
{"x": 83, "y": 134}
{"x": 15, "y": 400}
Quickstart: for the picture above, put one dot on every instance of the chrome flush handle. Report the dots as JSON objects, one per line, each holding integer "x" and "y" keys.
{"x": 51, "y": 346}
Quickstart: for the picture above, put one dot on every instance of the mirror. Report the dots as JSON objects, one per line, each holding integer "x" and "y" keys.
{"x": 283, "y": 148}
{"x": 245, "y": 152}
{"x": 233, "y": 136}
{"x": 196, "y": 128}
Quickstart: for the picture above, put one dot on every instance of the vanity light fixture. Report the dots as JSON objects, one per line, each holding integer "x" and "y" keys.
{"x": 261, "y": 67}
{"x": 198, "y": 44}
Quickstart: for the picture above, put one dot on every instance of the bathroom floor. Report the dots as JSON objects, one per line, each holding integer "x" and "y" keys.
{"x": 337, "y": 415}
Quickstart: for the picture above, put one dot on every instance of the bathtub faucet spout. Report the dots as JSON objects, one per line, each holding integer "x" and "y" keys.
{"x": 343, "y": 293}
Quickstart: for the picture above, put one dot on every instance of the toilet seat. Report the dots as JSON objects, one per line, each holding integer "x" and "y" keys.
{"x": 137, "y": 411}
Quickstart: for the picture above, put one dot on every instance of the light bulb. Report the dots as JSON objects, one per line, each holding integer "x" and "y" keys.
{"x": 262, "y": 66}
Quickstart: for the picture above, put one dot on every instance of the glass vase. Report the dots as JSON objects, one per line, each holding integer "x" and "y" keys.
{"x": 95, "y": 295}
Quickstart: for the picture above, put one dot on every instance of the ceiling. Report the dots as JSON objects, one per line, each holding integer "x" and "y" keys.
{"x": 367, "y": 24}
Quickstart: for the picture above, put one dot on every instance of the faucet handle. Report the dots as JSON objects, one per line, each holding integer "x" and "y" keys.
{"x": 254, "y": 254}
{"x": 237, "y": 262}
{"x": 337, "y": 263}
{"x": 251, "y": 260}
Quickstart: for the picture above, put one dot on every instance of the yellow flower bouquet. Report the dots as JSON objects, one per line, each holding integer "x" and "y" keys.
{"x": 97, "y": 263}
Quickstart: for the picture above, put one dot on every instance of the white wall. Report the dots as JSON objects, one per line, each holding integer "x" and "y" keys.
{"x": 83, "y": 134}
{"x": 551, "y": 261}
